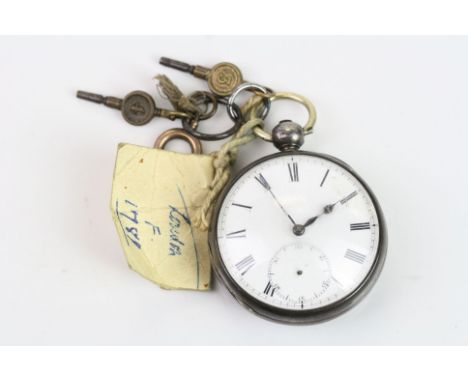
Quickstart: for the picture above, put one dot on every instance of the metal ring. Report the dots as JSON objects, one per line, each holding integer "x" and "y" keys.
{"x": 178, "y": 133}
{"x": 190, "y": 125}
{"x": 259, "y": 132}
{"x": 201, "y": 97}
{"x": 248, "y": 86}
{"x": 236, "y": 109}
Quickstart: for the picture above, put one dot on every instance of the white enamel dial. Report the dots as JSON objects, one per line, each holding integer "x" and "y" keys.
{"x": 298, "y": 232}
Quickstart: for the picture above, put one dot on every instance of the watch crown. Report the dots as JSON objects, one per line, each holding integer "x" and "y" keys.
{"x": 288, "y": 136}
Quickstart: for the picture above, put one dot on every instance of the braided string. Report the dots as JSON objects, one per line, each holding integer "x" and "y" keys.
{"x": 178, "y": 100}
{"x": 223, "y": 159}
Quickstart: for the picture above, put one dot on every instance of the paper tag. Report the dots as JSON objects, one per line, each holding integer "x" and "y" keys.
{"x": 155, "y": 194}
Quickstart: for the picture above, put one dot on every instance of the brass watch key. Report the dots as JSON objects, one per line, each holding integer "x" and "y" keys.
{"x": 223, "y": 78}
{"x": 137, "y": 108}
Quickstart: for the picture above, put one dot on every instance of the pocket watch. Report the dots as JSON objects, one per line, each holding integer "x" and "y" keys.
{"x": 297, "y": 237}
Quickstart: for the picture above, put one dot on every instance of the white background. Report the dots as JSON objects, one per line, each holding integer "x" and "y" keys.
{"x": 393, "y": 108}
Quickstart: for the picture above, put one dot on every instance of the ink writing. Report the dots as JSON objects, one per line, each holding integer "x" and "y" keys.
{"x": 176, "y": 218}
{"x": 128, "y": 217}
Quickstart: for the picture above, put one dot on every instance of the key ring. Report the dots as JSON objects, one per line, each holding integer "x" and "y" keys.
{"x": 201, "y": 97}
{"x": 233, "y": 113}
{"x": 178, "y": 133}
{"x": 259, "y": 132}
{"x": 190, "y": 126}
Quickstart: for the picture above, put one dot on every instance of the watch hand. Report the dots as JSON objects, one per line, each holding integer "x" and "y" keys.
{"x": 261, "y": 179}
{"x": 329, "y": 207}
{"x": 299, "y": 229}
{"x": 282, "y": 208}
{"x": 311, "y": 220}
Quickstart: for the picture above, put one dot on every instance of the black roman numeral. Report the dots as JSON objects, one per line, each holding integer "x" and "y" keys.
{"x": 260, "y": 179}
{"x": 324, "y": 177}
{"x": 355, "y": 256}
{"x": 359, "y": 226}
{"x": 242, "y": 205}
{"x": 270, "y": 289}
{"x": 245, "y": 264}
{"x": 349, "y": 197}
{"x": 293, "y": 171}
{"x": 236, "y": 234}
{"x": 301, "y": 300}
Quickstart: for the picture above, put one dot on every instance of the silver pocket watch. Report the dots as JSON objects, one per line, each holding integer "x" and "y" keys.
{"x": 297, "y": 237}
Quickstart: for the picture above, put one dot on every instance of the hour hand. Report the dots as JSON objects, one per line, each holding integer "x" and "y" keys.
{"x": 311, "y": 220}
{"x": 329, "y": 208}
{"x": 299, "y": 229}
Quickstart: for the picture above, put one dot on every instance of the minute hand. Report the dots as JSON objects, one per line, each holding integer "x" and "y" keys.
{"x": 260, "y": 179}
{"x": 282, "y": 208}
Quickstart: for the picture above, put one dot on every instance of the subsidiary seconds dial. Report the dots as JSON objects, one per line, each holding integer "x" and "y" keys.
{"x": 298, "y": 237}
{"x": 296, "y": 268}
